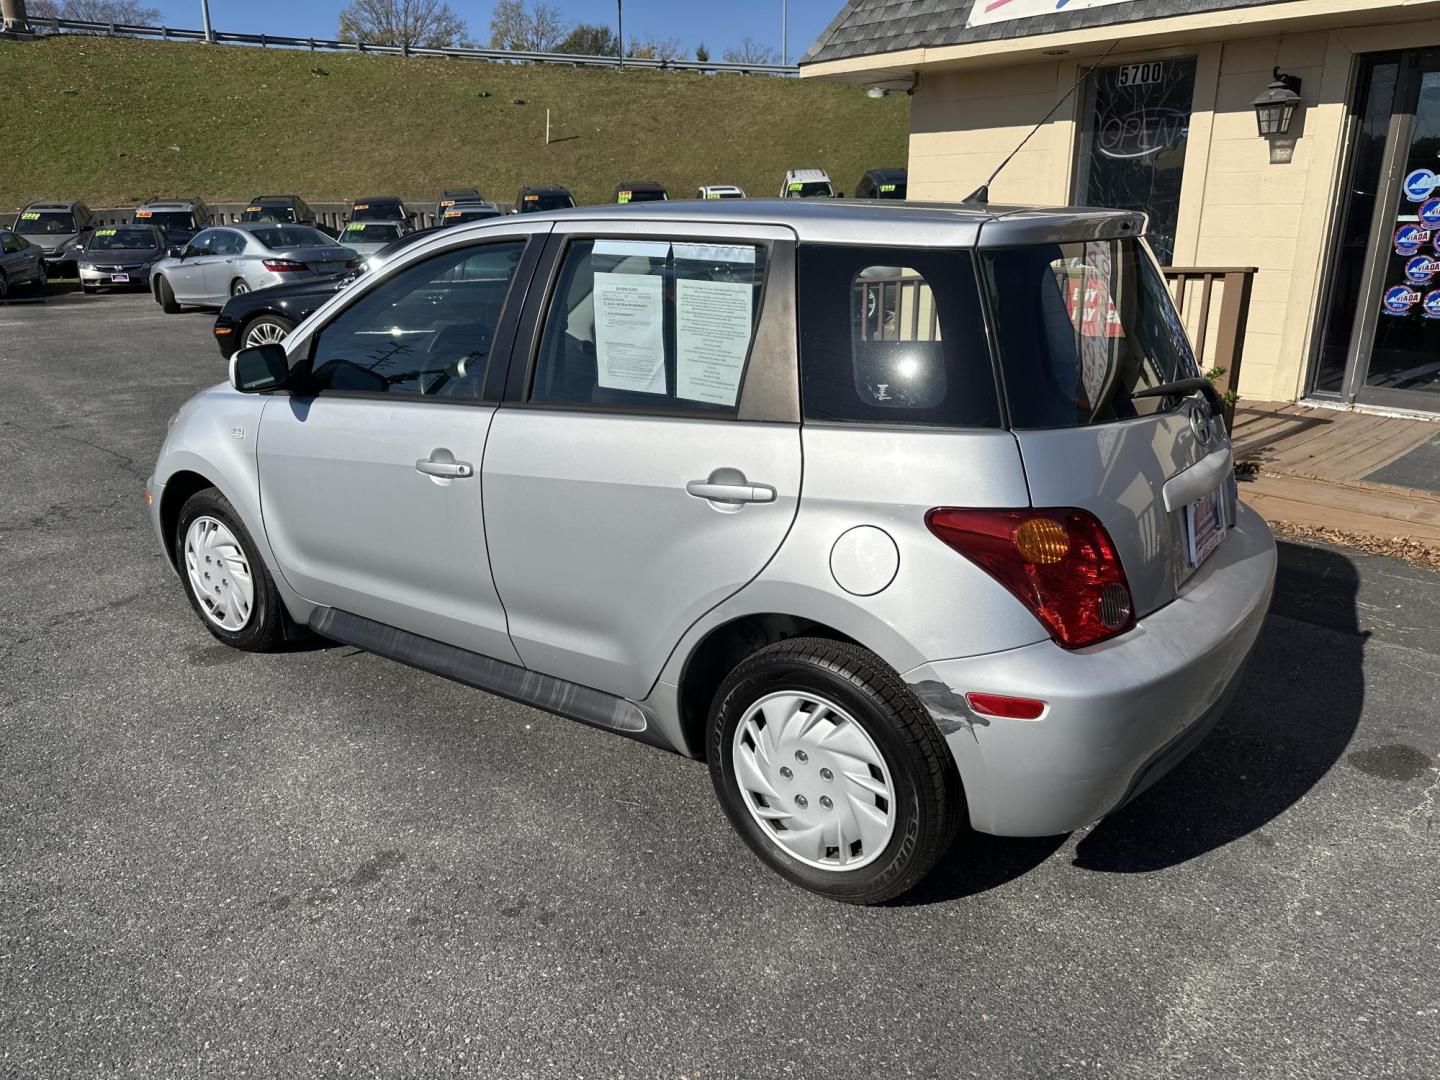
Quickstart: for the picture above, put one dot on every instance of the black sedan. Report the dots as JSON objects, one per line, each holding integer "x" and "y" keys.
{"x": 267, "y": 315}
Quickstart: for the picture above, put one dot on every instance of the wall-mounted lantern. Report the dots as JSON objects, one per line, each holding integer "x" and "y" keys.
{"x": 1275, "y": 108}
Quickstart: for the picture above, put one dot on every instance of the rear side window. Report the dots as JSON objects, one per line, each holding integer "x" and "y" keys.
{"x": 893, "y": 336}
{"x": 651, "y": 325}
{"x": 1081, "y": 326}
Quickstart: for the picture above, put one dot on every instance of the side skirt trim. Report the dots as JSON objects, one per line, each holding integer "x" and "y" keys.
{"x": 546, "y": 692}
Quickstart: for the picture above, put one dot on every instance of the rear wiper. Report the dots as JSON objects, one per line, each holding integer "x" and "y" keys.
{"x": 1182, "y": 387}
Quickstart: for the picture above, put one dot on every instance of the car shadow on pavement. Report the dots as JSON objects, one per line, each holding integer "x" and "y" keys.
{"x": 1297, "y": 708}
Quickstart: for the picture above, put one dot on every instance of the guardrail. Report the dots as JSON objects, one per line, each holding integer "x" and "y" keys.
{"x": 502, "y": 56}
{"x": 329, "y": 215}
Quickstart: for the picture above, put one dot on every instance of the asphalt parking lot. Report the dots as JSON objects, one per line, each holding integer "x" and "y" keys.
{"x": 321, "y": 863}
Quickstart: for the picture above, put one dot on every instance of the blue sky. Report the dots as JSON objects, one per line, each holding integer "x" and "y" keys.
{"x": 718, "y": 23}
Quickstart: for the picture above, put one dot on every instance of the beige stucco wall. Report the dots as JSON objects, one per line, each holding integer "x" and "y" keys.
{"x": 1238, "y": 208}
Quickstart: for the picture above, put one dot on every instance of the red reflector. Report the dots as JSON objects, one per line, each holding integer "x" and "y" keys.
{"x": 1012, "y": 708}
{"x": 283, "y": 266}
{"x": 1060, "y": 563}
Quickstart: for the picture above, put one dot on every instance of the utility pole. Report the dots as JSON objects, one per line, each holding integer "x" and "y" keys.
{"x": 784, "y": 31}
{"x": 205, "y": 14}
{"x": 620, "y": 28}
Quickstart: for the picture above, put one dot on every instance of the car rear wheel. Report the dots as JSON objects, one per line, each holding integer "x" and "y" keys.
{"x": 42, "y": 278}
{"x": 239, "y": 287}
{"x": 166, "y": 296}
{"x": 224, "y": 576}
{"x": 266, "y": 330}
{"x": 832, "y": 771}
{"x": 4, "y": 285}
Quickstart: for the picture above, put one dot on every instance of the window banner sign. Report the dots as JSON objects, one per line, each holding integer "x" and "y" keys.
{"x": 986, "y": 12}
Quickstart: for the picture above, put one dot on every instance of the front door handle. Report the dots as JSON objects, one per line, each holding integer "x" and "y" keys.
{"x": 446, "y": 470}
{"x": 731, "y": 493}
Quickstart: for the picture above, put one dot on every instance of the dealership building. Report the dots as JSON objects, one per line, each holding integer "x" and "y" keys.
{"x": 1300, "y": 138}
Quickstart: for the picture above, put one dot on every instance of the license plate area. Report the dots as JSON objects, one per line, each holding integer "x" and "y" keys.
{"x": 120, "y": 278}
{"x": 1204, "y": 526}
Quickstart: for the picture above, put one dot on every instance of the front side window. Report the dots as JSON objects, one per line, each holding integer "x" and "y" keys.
{"x": 424, "y": 332}
{"x": 13, "y": 244}
{"x": 893, "y": 336}
{"x": 204, "y": 243}
{"x": 650, "y": 325}
{"x": 1081, "y": 326}
{"x": 46, "y": 223}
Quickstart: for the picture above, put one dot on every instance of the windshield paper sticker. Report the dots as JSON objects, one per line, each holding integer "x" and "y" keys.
{"x": 104, "y": 232}
{"x": 629, "y": 346}
{"x": 30, "y": 215}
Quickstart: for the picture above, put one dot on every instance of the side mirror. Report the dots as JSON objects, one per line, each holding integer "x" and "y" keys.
{"x": 264, "y": 367}
{"x": 175, "y": 252}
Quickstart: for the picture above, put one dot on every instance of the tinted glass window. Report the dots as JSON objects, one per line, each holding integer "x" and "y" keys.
{"x": 1082, "y": 326}
{"x": 461, "y": 216}
{"x": 534, "y": 203}
{"x": 10, "y": 242}
{"x": 283, "y": 215}
{"x": 118, "y": 239}
{"x": 377, "y": 211}
{"x": 425, "y": 332}
{"x": 166, "y": 219}
{"x": 893, "y": 335}
{"x": 45, "y": 222}
{"x": 360, "y": 233}
{"x": 650, "y": 325}
{"x": 292, "y": 237}
{"x": 808, "y": 189}
{"x": 202, "y": 243}
{"x": 628, "y": 195}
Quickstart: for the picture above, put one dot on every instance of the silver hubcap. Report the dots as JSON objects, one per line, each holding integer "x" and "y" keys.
{"x": 266, "y": 333}
{"x": 238, "y": 288}
{"x": 814, "y": 780}
{"x": 219, "y": 573}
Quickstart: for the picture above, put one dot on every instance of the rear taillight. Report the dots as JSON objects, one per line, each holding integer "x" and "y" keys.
{"x": 283, "y": 266}
{"x": 1060, "y": 563}
{"x": 352, "y": 264}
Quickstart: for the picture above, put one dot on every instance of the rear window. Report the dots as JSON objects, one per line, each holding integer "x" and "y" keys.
{"x": 292, "y": 237}
{"x": 360, "y": 233}
{"x": 536, "y": 203}
{"x": 1082, "y": 326}
{"x": 893, "y": 336}
{"x": 166, "y": 219}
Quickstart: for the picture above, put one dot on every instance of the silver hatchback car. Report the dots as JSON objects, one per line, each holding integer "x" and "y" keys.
{"x": 899, "y": 516}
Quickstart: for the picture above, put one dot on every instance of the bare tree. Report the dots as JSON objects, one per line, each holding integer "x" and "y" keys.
{"x": 538, "y": 28}
{"x": 104, "y": 11}
{"x": 656, "y": 49}
{"x": 590, "y": 39}
{"x": 750, "y": 51}
{"x": 428, "y": 24}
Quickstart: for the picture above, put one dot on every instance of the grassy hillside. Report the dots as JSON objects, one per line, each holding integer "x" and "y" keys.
{"x": 112, "y": 121}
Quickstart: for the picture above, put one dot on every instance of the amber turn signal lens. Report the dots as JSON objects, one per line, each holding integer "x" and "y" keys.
{"x": 1042, "y": 541}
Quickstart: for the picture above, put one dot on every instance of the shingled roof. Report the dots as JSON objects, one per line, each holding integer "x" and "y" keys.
{"x": 872, "y": 27}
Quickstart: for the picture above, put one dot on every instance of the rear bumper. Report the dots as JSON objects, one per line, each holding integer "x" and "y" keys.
{"x": 1120, "y": 714}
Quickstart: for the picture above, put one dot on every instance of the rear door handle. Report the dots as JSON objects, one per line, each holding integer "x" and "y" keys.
{"x": 731, "y": 493}
{"x": 448, "y": 470}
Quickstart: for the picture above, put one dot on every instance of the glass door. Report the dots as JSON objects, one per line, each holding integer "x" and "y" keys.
{"x": 1395, "y": 351}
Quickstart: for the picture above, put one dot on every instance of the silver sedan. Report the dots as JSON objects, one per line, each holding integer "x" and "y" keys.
{"x": 232, "y": 259}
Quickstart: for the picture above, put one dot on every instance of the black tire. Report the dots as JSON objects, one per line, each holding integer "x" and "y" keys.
{"x": 87, "y": 288}
{"x": 929, "y": 803}
{"x": 283, "y": 324}
{"x": 42, "y": 283}
{"x": 239, "y": 287}
{"x": 167, "y": 297}
{"x": 269, "y": 622}
{"x": 4, "y": 285}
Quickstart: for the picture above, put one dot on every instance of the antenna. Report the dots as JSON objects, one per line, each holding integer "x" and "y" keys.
{"x": 981, "y": 195}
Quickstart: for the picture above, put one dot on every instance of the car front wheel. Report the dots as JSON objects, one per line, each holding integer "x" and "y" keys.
{"x": 831, "y": 770}
{"x": 225, "y": 578}
{"x": 266, "y": 330}
{"x": 42, "y": 278}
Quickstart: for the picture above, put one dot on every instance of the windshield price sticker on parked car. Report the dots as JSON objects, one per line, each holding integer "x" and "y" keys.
{"x": 887, "y": 187}
{"x": 253, "y": 209}
{"x": 355, "y": 226}
{"x": 104, "y": 232}
{"x": 142, "y": 213}
{"x": 30, "y": 215}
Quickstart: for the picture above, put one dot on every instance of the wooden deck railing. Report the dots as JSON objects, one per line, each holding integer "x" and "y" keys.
{"x": 1217, "y": 330}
